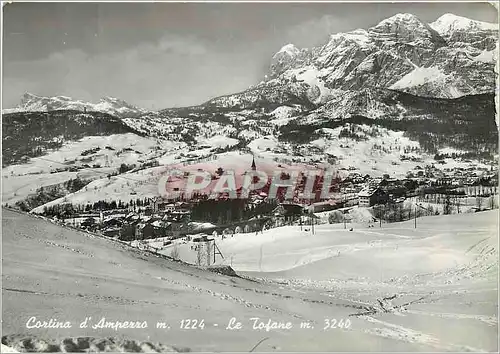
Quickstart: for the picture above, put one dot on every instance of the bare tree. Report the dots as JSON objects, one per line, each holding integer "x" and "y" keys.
{"x": 175, "y": 252}
{"x": 479, "y": 202}
{"x": 335, "y": 217}
{"x": 199, "y": 254}
{"x": 447, "y": 205}
{"x": 209, "y": 251}
{"x": 492, "y": 202}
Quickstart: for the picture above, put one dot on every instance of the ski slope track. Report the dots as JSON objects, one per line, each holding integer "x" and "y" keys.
{"x": 429, "y": 289}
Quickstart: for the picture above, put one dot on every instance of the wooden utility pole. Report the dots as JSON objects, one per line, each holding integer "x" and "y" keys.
{"x": 415, "y": 215}
{"x": 207, "y": 245}
{"x": 380, "y": 219}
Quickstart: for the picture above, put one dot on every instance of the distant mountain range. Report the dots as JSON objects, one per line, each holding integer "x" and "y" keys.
{"x": 114, "y": 106}
{"x": 451, "y": 57}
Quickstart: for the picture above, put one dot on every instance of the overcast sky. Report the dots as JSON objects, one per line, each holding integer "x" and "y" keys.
{"x": 165, "y": 55}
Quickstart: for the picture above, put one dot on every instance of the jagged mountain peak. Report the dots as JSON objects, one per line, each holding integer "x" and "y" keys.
{"x": 289, "y": 49}
{"x": 112, "y": 99}
{"x": 406, "y": 28}
{"x": 286, "y": 57}
{"x": 402, "y": 21}
{"x": 449, "y": 23}
{"x": 401, "y": 52}
{"x": 115, "y": 101}
{"x": 358, "y": 36}
{"x": 28, "y": 95}
{"x": 400, "y": 17}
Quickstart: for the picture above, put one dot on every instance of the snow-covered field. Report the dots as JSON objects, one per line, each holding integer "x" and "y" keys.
{"x": 429, "y": 289}
{"x": 95, "y": 156}
{"x": 420, "y": 249}
{"x": 111, "y": 151}
{"x": 377, "y": 151}
{"x": 448, "y": 265}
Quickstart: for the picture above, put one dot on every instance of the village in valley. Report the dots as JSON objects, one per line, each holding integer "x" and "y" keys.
{"x": 212, "y": 178}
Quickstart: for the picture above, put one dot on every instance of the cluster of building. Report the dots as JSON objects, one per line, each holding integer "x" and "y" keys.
{"x": 456, "y": 176}
{"x": 152, "y": 221}
{"x": 162, "y": 218}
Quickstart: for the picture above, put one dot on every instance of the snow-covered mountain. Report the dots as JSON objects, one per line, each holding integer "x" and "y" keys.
{"x": 451, "y": 27}
{"x": 114, "y": 106}
{"x": 378, "y": 100}
{"x": 451, "y": 57}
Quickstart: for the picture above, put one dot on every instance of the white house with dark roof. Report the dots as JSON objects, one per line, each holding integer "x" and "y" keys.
{"x": 371, "y": 196}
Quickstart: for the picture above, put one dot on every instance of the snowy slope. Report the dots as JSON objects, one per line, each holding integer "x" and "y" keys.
{"x": 417, "y": 77}
{"x": 449, "y": 287}
{"x": 93, "y": 157}
{"x": 120, "y": 284}
{"x": 375, "y": 152}
{"x": 431, "y": 271}
{"x": 397, "y": 242}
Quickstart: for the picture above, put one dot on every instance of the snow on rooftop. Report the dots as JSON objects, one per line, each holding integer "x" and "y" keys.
{"x": 367, "y": 192}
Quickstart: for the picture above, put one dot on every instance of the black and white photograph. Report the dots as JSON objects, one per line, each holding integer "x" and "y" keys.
{"x": 235, "y": 177}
